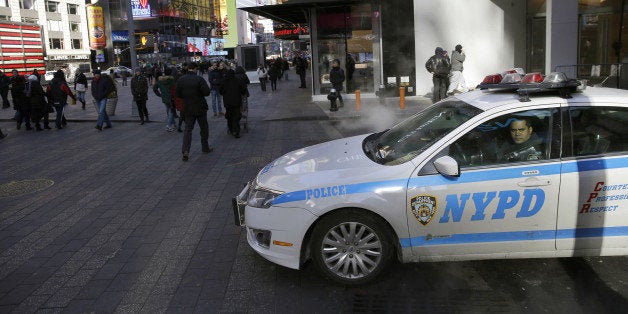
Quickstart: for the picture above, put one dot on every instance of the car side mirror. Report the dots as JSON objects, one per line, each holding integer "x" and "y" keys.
{"x": 447, "y": 166}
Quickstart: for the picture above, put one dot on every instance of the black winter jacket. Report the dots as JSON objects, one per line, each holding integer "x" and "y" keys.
{"x": 193, "y": 89}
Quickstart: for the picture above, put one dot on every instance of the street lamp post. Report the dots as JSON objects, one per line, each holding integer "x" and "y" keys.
{"x": 131, "y": 25}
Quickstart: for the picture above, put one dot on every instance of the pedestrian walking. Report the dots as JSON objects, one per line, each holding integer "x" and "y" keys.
{"x": 21, "y": 106}
{"x": 80, "y": 86}
{"x": 262, "y": 74}
{"x": 57, "y": 93}
{"x": 273, "y": 74}
{"x": 124, "y": 75}
{"x": 139, "y": 90}
{"x": 232, "y": 91}
{"x": 336, "y": 77}
{"x": 301, "y": 67}
{"x": 5, "y": 82}
{"x": 162, "y": 89}
{"x": 215, "y": 77}
{"x": 193, "y": 89}
{"x": 101, "y": 87}
{"x": 456, "y": 79}
{"x": 285, "y": 67}
{"x": 36, "y": 97}
{"x": 439, "y": 66}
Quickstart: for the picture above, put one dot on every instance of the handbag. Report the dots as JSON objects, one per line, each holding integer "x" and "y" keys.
{"x": 80, "y": 87}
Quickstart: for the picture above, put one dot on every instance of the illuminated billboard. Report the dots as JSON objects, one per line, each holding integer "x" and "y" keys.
{"x": 213, "y": 47}
{"x": 141, "y": 10}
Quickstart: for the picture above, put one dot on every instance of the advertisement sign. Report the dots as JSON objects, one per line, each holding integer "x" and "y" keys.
{"x": 213, "y": 47}
{"x": 120, "y": 36}
{"x": 141, "y": 10}
{"x": 290, "y": 32}
{"x": 228, "y": 20}
{"x": 96, "y": 27}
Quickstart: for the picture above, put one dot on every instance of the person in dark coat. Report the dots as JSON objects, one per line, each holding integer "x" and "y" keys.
{"x": 439, "y": 66}
{"x": 57, "y": 93}
{"x": 336, "y": 77}
{"x": 139, "y": 90}
{"x": 232, "y": 91}
{"x": 162, "y": 89}
{"x": 301, "y": 67}
{"x": 80, "y": 86}
{"x": 5, "y": 82}
{"x": 22, "y": 107}
{"x": 193, "y": 89}
{"x": 36, "y": 97}
{"x": 215, "y": 77}
{"x": 101, "y": 87}
{"x": 350, "y": 65}
{"x": 273, "y": 74}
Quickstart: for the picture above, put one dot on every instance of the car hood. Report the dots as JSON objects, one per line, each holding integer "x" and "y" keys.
{"x": 333, "y": 161}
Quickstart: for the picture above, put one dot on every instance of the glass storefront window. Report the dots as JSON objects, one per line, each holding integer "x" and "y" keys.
{"x": 344, "y": 33}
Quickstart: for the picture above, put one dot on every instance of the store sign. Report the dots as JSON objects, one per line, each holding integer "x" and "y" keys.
{"x": 122, "y": 36}
{"x": 140, "y": 9}
{"x": 66, "y": 57}
{"x": 290, "y": 32}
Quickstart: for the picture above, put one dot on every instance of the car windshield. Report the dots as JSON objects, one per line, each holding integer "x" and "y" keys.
{"x": 409, "y": 138}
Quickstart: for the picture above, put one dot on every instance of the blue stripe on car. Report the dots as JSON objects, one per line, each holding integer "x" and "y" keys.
{"x": 510, "y": 236}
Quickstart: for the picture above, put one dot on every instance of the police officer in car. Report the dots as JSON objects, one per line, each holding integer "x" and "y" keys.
{"x": 522, "y": 145}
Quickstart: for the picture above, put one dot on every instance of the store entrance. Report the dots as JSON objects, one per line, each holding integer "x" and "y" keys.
{"x": 344, "y": 33}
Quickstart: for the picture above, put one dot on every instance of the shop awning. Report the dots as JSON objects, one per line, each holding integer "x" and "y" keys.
{"x": 293, "y": 11}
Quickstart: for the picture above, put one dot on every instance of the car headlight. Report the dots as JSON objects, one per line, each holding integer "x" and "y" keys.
{"x": 262, "y": 198}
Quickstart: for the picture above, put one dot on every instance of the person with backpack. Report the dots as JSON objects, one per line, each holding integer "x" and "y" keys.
{"x": 440, "y": 66}
{"x": 57, "y": 93}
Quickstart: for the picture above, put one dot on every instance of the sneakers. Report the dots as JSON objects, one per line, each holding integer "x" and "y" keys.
{"x": 98, "y": 127}
{"x": 107, "y": 127}
{"x": 186, "y": 156}
{"x": 169, "y": 129}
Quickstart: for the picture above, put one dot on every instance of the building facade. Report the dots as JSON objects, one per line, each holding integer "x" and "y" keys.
{"x": 390, "y": 41}
{"x": 64, "y": 27}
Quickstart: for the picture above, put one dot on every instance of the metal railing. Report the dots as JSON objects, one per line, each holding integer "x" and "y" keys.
{"x": 613, "y": 75}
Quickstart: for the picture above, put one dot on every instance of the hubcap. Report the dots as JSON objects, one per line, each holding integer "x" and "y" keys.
{"x": 351, "y": 250}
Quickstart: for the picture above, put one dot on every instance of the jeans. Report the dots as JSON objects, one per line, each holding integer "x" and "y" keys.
{"x": 440, "y": 88}
{"x": 216, "y": 101}
{"x": 80, "y": 96}
{"x": 102, "y": 113}
{"x": 169, "y": 110}
{"x": 189, "y": 126}
{"x": 285, "y": 74}
{"x": 59, "y": 109}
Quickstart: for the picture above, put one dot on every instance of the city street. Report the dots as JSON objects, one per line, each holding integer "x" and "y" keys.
{"x": 114, "y": 221}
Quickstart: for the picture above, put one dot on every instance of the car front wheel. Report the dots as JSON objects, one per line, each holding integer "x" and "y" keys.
{"x": 351, "y": 247}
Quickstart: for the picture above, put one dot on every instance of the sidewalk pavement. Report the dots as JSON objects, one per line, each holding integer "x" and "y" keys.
{"x": 288, "y": 108}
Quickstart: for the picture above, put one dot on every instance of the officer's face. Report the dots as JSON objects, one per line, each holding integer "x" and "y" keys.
{"x": 520, "y": 132}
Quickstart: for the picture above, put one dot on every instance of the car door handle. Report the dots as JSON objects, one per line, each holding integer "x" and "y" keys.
{"x": 533, "y": 182}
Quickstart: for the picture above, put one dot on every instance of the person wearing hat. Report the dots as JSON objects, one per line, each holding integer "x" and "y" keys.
{"x": 35, "y": 95}
{"x": 456, "y": 80}
{"x": 100, "y": 89}
{"x": 439, "y": 66}
{"x": 193, "y": 89}
{"x": 139, "y": 90}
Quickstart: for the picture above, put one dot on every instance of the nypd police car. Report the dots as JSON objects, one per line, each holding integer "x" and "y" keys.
{"x": 506, "y": 171}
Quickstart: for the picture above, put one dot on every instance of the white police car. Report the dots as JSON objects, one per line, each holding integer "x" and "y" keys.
{"x": 481, "y": 175}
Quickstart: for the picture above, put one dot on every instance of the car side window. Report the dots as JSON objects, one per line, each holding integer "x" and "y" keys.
{"x": 517, "y": 137}
{"x": 599, "y": 130}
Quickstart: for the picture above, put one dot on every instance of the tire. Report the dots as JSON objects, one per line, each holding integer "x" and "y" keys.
{"x": 343, "y": 262}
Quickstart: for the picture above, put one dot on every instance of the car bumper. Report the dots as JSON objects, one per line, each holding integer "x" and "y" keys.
{"x": 276, "y": 233}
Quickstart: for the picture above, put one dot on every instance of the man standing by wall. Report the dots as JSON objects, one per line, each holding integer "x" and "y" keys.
{"x": 439, "y": 65}
{"x": 193, "y": 89}
{"x": 457, "y": 79}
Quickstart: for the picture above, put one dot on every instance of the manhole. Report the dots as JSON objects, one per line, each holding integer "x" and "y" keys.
{"x": 252, "y": 160}
{"x": 14, "y": 188}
